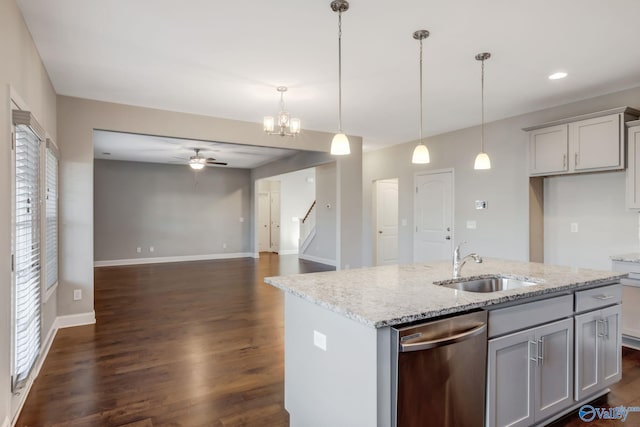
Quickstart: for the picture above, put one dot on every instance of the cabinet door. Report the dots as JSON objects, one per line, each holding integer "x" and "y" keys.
{"x": 633, "y": 171}
{"x": 510, "y": 378}
{"x": 548, "y": 148}
{"x": 611, "y": 347}
{"x": 587, "y": 328}
{"x": 554, "y": 376}
{"x": 596, "y": 144}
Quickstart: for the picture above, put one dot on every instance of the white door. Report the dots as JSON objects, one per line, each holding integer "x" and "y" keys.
{"x": 433, "y": 217}
{"x": 263, "y": 222}
{"x": 275, "y": 221}
{"x": 386, "y": 221}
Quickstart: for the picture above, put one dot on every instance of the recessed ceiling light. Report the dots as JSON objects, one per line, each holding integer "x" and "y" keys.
{"x": 558, "y": 75}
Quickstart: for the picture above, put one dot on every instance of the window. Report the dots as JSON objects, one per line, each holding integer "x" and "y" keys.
{"x": 26, "y": 246}
{"x": 51, "y": 215}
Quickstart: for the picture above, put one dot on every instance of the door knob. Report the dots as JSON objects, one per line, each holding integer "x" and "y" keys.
{"x": 448, "y": 228}
{"x": 379, "y": 231}
{"x": 447, "y": 238}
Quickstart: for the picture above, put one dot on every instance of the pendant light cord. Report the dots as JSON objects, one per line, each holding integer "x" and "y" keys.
{"x": 482, "y": 101}
{"x": 421, "y": 114}
{"x": 340, "y": 72}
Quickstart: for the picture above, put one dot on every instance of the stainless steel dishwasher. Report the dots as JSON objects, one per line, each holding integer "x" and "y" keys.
{"x": 439, "y": 372}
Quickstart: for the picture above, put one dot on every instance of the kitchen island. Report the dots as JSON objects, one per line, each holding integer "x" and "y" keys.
{"x": 338, "y": 327}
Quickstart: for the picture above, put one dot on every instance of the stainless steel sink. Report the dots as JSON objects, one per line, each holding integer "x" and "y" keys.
{"x": 489, "y": 284}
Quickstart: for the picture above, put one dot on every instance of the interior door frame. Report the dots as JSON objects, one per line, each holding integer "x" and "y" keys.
{"x": 374, "y": 208}
{"x": 415, "y": 204}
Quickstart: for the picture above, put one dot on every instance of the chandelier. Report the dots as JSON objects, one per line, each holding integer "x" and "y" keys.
{"x": 287, "y": 126}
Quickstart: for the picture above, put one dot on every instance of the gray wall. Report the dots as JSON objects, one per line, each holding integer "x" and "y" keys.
{"x": 323, "y": 245}
{"x": 596, "y": 202}
{"x": 170, "y": 207}
{"x": 77, "y": 118}
{"x": 502, "y": 229}
{"x": 22, "y": 72}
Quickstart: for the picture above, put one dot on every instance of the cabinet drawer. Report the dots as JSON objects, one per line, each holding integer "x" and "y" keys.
{"x": 598, "y": 297}
{"x": 517, "y": 317}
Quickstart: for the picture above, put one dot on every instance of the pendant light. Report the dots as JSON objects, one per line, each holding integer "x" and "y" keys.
{"x": 340, "y": 142}
{"x": 482, "y": 159}
{"x": 421, "y": 152}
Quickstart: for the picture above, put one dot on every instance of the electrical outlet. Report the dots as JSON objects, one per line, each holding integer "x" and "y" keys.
{"x": 77, "y": 294}
{"x": 224, "y": 246}
{"x": 574, "y": 227}
{"x": 151, "y": 249}
{"x": 241, "y": 219}
{"x": 471, "y": 224}
{"x": 320, "y": 340}
{"x": 139, "y": 249}
{"x": 403, "y": 222}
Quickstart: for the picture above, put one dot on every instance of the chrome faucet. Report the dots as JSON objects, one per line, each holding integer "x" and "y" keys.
{"x": 458, "y": 263}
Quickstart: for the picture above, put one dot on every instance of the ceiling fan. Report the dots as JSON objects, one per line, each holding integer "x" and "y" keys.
{"x": 198, "y": 162}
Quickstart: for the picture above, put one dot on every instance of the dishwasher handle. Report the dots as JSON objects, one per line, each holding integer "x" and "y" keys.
{"x": 441, "y": 342}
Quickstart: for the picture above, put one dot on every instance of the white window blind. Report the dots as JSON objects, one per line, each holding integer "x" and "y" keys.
{"x": 26, "y": 264}
{"x": 51, "y": 216}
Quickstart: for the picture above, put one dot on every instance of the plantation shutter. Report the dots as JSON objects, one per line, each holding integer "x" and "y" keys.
{"x": 26, "y": 266}
{"x": 51, "y": 215}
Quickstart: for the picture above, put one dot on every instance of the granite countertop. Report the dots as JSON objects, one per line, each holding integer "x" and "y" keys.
{"x": 633, "y": 257}
{"x": 395, "y": 294}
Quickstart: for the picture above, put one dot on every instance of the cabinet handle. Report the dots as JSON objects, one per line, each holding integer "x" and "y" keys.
{"x": 541, "y": 351}
{"x": 531, "y": 357}
{"x": 564, "y": 161}
{"x": 576, "y": 159}
{"x": 603, "y": 297}
{"x": 605, "y": 325}
{"x": 600, "y": 328}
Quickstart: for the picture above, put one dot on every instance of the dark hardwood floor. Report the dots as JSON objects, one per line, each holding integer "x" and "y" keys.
{"x": 180, "y": 344}
{"x": 194, "y": 344}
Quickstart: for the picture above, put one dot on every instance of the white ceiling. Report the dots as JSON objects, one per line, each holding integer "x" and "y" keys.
{"x": 225, "y": 58}
{"x": 155, "y": 149}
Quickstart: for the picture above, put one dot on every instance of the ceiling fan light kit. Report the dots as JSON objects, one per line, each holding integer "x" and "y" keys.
{"x": 340, "y": 142}
{"x": 482, "y": 161}
{"x": 198, "y": 162}
{"x": 287, "y": 126}
{"x": 421, "y": 152}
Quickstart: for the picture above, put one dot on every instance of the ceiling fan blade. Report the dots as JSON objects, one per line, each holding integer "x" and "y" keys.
{"x": 211, "y": 159}
{"x": 217, "y": 163}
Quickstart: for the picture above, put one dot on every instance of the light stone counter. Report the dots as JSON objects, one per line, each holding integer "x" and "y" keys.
{"x": 396, "y": 294}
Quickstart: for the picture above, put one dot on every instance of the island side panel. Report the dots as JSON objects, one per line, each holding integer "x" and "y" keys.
{"x": 336, "y": 387}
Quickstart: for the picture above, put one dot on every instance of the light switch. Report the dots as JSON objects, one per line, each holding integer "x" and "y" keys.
{"x": 403, "y": 222}
{"x": 471, "y": 224}
{"x": 481, "y": 204}
{"x": 574, "y": 227}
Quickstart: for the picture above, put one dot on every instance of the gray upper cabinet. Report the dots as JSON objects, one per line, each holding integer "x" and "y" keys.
{"x": 633, "y": 171}
{"x": 548, "y": 150}
{"x": 588, "y": 143}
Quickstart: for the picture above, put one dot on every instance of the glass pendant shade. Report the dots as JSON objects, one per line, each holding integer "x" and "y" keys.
{"x": 340, "y": 145}
{"x": 294, "y": 126}
{"x": 283, "y": 119}
{"x": 420, "y": 155}
{"x": 268, "y": 124}
{"x": 196, "y": 166}
{"x": 482, "y": 162}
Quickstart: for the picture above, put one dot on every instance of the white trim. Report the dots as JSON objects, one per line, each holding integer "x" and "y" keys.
{"x": 307, "y": 242}
{"x": 256, "y": 255}
{"x": 183, "y": 258}
{"x": 49, "y": 292}
{"x": 317, "y": 259}
{"x": 288, "y": 252}
{"x": 24, "y": 392}
{"x": 72, "y": 320}
{"x": 631, "y": 342}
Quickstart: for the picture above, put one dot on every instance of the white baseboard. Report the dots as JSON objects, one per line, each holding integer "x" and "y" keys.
{"x": 288, "y": 252}
{"x": 75, "y": 320}
{"x": 631, "y": 342}
{"x": 183, "y": 258}
{"x": 317, "y": 259}
{"x": 256, "y": 255}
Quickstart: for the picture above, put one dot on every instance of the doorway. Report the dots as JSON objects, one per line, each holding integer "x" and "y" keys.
{"x": 433, "y": 216}
{"x": 386, "y": 220}
{"x": 269, "y": 216}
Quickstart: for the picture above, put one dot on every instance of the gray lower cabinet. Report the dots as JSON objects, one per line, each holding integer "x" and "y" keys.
{"x": 598, "y": 341}
{"x": 530, "y": 374}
